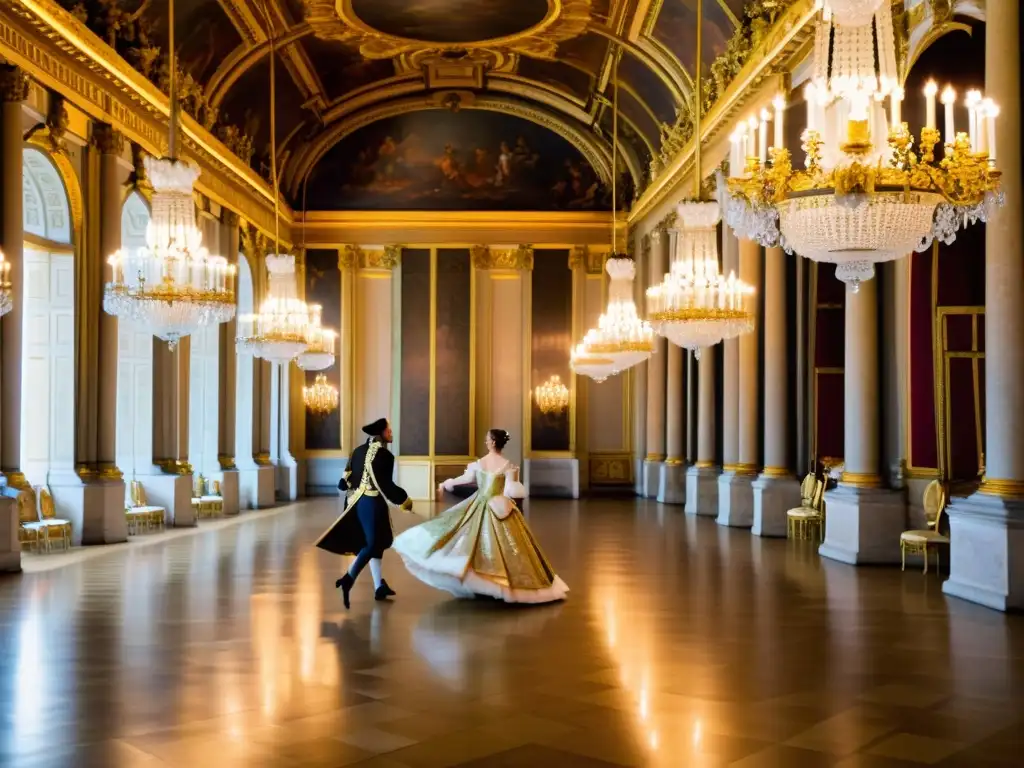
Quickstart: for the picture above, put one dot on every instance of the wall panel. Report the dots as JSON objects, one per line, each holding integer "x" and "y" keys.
{"x": 414, "y": 366}
{"x": 551, "y": 341}
{"x": 452, "y": 361}
{"x": 323, "y": 287}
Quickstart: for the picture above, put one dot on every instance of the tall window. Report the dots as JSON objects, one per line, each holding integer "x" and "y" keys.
{"x": 48, "y": 342}
{"x": 134, "y": 363}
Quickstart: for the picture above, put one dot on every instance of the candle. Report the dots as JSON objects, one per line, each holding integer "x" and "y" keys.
{"x": 972, "y": 100}
{"x": 993, "y": 112}
{"x": 752, "y": 137}
{"x": 810, "y": 96}
{"x": 779, "y": 102}
{"x": 930, "y": 89}
{"x": 896, "y": 108}
{"x": 948, "y": 100}
{"x": 762, "y": 136}
{"x": 982, "y": 133}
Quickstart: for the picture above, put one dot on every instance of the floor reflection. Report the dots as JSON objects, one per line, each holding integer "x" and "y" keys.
{"x": 683, "y": 644}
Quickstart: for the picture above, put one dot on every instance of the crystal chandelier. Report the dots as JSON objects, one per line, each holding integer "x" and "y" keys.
{"x": 695, "y": 306}
{"x": 321, "y": 398}
{"x": 621, "y": 339}
{"x": 6, "y": 293}
{"x": 172, "y": 286}
{"x": 277, "y": 333}
{"x": 319, "y": 352}
{"x": 552, "y": 397}
{"x": 857, "y": 202}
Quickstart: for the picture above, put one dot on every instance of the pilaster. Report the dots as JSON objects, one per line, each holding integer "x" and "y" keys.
{"x": 702, "y": 477}
{"x": 731, "y": 408}
{"x": 656, "y": 370}
{"x": 228, "y": 380}
{"x": 987, "y": 529}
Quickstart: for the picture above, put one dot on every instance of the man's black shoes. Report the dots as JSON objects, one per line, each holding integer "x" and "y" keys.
{"x": 345, "y": 585}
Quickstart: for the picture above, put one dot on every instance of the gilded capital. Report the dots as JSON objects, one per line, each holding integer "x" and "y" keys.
{"x": 578, "y": 256}
{"x": 389, "y": 258}
{"x": 230, "y": 218}
{"x": 594, "y": 262}
{"x": 350, "y": 257}
{"x": 107, "y": 140}
{"x": 13, "y": 83}
{"x": 519, "y": 258}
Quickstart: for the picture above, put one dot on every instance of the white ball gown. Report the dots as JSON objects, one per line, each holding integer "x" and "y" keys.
{"x": 482, "y": 545}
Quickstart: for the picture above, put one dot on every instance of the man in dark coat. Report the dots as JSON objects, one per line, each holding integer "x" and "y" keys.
{"x": 364, "y": 528}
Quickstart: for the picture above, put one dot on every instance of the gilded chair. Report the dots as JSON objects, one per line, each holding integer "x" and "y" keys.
{"x": 810, "y": 515}
{"x": 31, "y": 535}
{"x": 919, "y": 542}
{"x": 203, "y": 503}
{"x": 54, "y": 528}
{"x": 151, "y": 516}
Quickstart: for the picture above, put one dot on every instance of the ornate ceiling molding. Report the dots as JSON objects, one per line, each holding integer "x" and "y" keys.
{"x": 244, "y": 58}
{"x": 594, "y": 150}
{"x": 334, "y": 20}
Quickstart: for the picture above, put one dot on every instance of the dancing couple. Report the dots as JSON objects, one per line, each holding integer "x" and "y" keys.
{"x": 482, "y": 546}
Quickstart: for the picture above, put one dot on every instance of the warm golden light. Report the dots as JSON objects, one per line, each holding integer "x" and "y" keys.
{"x": 552, "y": 397}
{"x": 321, "y": 398}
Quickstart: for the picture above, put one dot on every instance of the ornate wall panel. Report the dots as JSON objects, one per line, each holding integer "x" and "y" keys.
{"x": 415, "y": 363}
{"x": 323, "y": 287}
{"x": 453, "y": 400}
{"x": 550, "y": 342}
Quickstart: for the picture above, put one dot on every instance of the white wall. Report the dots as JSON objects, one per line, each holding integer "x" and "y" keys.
{"x": 204, "y": 401}
{"x": 244, "y": 375}
{"x": 134, "y": 365}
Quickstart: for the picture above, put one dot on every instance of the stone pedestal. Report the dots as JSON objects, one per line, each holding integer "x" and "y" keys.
{"x": 174, "y": 494}
{"x": 256, "y": 487}
{"x": 773, "y": 498}
{"x": 863, "y": 525}
{"x": 702, "y": 491}
{"x": 735, "y": 500}
{"x": 229, "y": 490}
{"x": 987, "y": 564}
{"x": 288, "y": 478}
{"x": 95, "y": 509}
{"x": 10, "y": 547}
{"x": 651, "y": 478}
{"x": 672, "y": 483}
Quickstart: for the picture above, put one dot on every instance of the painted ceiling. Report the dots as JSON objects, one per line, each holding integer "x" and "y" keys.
{"x": 343, "y": 64}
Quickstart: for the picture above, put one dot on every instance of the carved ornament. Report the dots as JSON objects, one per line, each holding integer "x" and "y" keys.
{"x": 13, "y": 83}
{"x": 518, "y": 259}
{"x": 334, "y": 20}
{"x": 107, "y": 140}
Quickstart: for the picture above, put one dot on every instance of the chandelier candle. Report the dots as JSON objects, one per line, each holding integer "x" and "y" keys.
{"x": 948, "y": 101}
{"x": 779, "y": 103}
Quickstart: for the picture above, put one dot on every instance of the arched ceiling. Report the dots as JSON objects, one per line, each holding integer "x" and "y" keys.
{"x": 342, "y": 61}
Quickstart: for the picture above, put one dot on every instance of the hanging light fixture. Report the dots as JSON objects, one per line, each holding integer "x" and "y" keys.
{"x": 319, "y": 352}
{"x": 321, "y": 398}
{"x": 172, "y": 286}
{"x": 552, "y": 397}
{"x": 622, "y": 338}
{"x": 6, "y": 292}
{"x": 285, "y": 327}
{"x": 695, "y": 306}
{"x": 860, "y": 201}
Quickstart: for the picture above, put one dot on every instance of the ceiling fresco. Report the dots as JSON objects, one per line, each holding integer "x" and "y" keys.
{"x": 343, "y": 65}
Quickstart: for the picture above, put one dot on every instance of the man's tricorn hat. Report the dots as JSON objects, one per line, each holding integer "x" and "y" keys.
{"x": 376, "y": 428}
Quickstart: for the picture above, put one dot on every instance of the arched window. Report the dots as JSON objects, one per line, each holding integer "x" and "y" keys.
{"x": 48, "y": 341}
{"x": 134, "y": 363}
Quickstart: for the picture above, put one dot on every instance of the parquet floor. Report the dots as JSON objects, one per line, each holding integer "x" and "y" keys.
{"x": 683, "y": 644}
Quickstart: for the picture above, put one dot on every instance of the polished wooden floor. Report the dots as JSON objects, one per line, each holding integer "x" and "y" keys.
{"x": 682, "y": 644}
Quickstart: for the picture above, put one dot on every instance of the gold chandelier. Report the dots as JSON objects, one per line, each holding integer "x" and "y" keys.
{"x": 319, "y": 352}
{"x": 6, "y": 292}
{"x": 321, "y": 398}
{"x": 859, "y": 201}
{"x": 552, "y": 397}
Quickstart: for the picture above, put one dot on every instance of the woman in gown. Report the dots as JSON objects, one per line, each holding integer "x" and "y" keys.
{"x": 482, "y": 546}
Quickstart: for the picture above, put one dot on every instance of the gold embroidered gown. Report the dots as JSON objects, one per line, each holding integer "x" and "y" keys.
{"x": 482, "y": 546}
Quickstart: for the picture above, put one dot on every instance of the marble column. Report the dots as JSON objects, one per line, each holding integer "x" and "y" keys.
{"x": 702, "y": 477}
{"x": 864, "y": 519}
{"x": 776, "y": 491}
{"x": 656, "y": 381}
{"x": 171, "y": 485}
{"x": 227, "y": 381}
{"x": 262, "y": 400}
{"x": 638, "y": 377}
{"x": 97, "y": 505}
{"x": 672, "y": 486}
{"x": 13, "y": 91}
{"x": 735, "y": 486}
{"x": 987, "y": 528}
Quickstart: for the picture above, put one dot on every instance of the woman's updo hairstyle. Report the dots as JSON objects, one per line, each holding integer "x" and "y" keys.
{"x": 500, "y": 437}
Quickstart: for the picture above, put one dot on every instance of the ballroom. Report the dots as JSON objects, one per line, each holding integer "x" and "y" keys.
{"x": 708, "y": 314}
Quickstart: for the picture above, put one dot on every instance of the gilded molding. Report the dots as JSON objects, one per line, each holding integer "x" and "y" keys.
{"x": 610, "y": 468}
{"x": 590, "y": 260}
{"x": 518, "y": 259}
{"x": 334, "y": 20}
{"x": 65, "y": 56}
{"x": 350, "y": 257}
{"x": 106, "y": 139}
{"x": 389, "y": 258}
{"x": 226, "y": 462}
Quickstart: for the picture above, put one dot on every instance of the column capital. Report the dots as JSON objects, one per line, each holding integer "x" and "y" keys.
{"x": 519, "y": 258}
{"x": 107, "y": 140}
{"x": 13, "y": 84}
{"x": 229, "y": 217}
